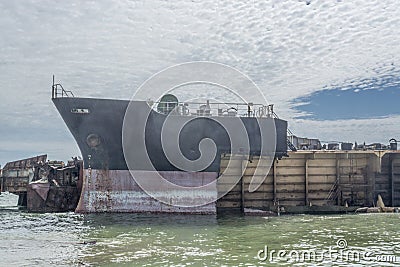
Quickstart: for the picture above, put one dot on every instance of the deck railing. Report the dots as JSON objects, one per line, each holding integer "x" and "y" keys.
{"x": 210, "y": 109}
{"x": 57, "y": 90}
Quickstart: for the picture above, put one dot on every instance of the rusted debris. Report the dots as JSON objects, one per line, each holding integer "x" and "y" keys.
{"x": 44, "y": 186}
{"x": 380, "y": 207}
{"x": 257, "y": 212}
{"x": 16, "y": 176}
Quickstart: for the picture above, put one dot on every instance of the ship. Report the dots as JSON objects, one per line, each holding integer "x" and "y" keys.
{"x": 110, "y": 184}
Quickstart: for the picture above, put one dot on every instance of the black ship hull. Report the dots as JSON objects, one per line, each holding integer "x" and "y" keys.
{"x": 97, "y": 126}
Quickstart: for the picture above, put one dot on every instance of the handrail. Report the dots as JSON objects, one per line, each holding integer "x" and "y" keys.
{"x": 211, "y": 109}
{"x": 333, "y": 192}
{"x": 58, "y": 90}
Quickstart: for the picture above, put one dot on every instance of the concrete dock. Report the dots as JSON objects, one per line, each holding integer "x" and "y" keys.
{"x": 319, "y": 181}
{"x": 309, "y": 181}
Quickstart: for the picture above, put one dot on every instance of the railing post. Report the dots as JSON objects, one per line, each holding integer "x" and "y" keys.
{"x": 52, "y": 88}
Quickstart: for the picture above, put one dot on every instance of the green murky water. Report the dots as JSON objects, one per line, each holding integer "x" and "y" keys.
{"x": 68, "y": 239}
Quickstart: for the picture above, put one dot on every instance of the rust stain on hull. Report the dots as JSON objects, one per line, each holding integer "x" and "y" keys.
{"x": 117, "y": 191}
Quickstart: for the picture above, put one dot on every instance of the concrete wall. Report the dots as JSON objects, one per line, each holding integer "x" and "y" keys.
{"x": 315, "y": 179}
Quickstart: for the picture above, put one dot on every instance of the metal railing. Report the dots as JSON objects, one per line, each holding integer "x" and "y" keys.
{"x": 333, "y": 192}
{"x": 209, "y": 109}
{"x": 57, "y": 90}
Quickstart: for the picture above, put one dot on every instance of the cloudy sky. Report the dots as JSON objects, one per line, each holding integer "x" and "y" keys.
{"x": 330, "y": 67}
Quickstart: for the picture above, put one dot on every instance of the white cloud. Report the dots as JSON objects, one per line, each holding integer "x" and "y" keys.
{"x": 107, "y": 49}
{"x": 368, "y": 130}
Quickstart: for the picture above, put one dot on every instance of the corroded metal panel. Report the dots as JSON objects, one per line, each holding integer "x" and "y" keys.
{"x": 16, "y": 175}
{"x": 117, "y": 191}
{"x": 24, "y": 163}
{"x": 44, "y": 197}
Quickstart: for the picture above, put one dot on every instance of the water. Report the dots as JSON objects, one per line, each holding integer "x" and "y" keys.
{"x": 69, "y": 239}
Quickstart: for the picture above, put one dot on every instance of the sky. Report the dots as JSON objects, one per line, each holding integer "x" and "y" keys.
{"x": 330, "y": 67}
